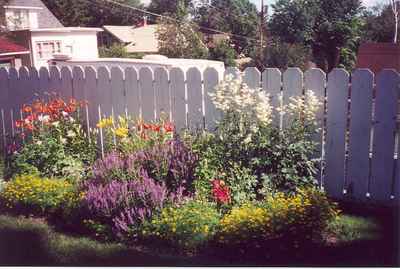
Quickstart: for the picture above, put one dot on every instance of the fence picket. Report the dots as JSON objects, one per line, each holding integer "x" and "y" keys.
{"x": 387, "y": 97}
{"x": 179, "y": 98}
{"x": 360, "y": 128}
{"x": 252, "y": 77}
{"x": 44, "y": 82}
{"x": 315, "y": 80}
{"x": 211, "y": 114}
{"x": 272, "y": 84}
{"x": 15, "y": 102}
{"x": 118, "y": 91}
{"x": 292, "y": 87}
{"x": 25, "y": 85}
{"x": 337, "y": 93}
{"x": 92, "y": 95}
{"x": 146, "y": 79}
{"x": 34, "y": 87}
{"x": 162, "y": 92}
{"x": 195, "y": 99}
{"x": 4, "y": 107}
{"x": 132, "y": 93}
{"x": 104, "y": 91}
{"x": 396, "y": 183}
{"x": 55, "y": 79}
{"x": 66, "y": 82}
{"x": 235, "y": 72}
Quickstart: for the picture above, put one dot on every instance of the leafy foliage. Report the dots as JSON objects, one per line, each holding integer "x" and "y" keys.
{"x": 115, "y": 51}
{"x": 223, "y": 51}
{"x": 327, "y": 26}
{"x": 238, "y": 17}
{"x": 94, "y": 13}
{"x": 379, "y": 24}
{"x": 188, "y": 227}
{"x": 180, "y": 39}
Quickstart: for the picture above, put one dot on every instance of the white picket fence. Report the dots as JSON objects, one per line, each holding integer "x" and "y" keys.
{"x": 359, "y": 121}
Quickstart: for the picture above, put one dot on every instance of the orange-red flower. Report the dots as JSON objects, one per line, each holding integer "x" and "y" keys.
{"x": 169, "y": 127}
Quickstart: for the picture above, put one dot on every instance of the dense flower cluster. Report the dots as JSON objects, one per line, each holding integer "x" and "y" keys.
{"x": 47, "y": 113}
{"x": 54, "y": 143}
{"x": 125, "y": 205}
{"x": 129, "y": 136}
{"x": 303, "y": 108}
{"x": 291, "y": 218}
{"x": 188, "y": 226}
{"x": 233, "y": 95}
{"x": 36, "y": 193}
{"x": 221, "y": 192}
{"x": 172, "y": 163}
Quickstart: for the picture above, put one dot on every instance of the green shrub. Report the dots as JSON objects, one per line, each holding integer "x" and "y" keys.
{"x": 187, "y": 227}
{"x": 281, "y": 221}
{"x": 31, "y": 194}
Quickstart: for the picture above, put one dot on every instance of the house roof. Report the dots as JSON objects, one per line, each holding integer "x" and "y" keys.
{"x": 46, "y": 19}
{"x": 9, "y": 47}
{"x": 67, "y": 29}
{"x": 139, "y": 39}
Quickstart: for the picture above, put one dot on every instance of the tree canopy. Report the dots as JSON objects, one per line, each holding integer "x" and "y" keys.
{"x": 328, "y": 27}
{"x": 94, "y": 13}
{"x": 379, "y": 24}
{"x": 238, "y": 17}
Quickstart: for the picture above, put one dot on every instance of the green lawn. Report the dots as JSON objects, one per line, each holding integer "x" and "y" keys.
{"x": 25, "y": 241}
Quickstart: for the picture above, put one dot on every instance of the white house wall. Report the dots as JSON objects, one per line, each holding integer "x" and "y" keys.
{"x": 83, "y": 44}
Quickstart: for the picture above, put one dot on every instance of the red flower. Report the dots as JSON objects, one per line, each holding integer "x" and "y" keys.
{"x": 221, "y": 192}
{"x": 169, "y": 127}
{"x": 155, "y": 128}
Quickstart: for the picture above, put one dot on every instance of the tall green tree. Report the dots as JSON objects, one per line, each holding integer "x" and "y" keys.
{"x": 379, "y": 24}
{"x": 177, "y": 8}
{"x": 94, "y": 13}
{"x": 179, "y": 38}
{"x": 237, "y": 17}
{"x": 329, "y": 27}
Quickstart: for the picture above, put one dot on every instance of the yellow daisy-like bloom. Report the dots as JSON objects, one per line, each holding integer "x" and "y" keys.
{"x": 121, "y": 132}
{"x": 106, "y": 122}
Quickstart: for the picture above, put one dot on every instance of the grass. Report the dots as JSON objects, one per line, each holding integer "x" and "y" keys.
{"x": 348, "y": 228}
{"x": 361, "y": 241}
{"x": 28, "y": 241}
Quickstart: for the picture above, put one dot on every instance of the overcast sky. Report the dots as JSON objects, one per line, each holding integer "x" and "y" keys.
{"x": 268, "y": 2}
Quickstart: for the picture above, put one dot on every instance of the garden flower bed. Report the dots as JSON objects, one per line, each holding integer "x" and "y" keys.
{"x": 248, "y": 186}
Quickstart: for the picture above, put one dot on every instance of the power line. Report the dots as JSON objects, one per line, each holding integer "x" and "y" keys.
{"x": 172, "y": 19}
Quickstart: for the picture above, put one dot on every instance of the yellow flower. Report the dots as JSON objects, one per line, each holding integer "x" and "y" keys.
{"x": 121, "y": 132}
{"x": 106, "y": 122}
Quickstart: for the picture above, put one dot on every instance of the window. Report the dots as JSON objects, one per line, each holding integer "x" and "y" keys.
{"x": 46, "y": 49}
{"x": 20, "y": 19}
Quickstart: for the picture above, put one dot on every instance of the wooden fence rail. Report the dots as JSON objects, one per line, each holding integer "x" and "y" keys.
{"x": 358, "y": 142}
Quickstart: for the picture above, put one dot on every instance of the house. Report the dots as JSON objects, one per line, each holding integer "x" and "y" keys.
{"x": 11, "y": 54}
{"x": 136, "y": 39}
{"x": 31, "y": 24}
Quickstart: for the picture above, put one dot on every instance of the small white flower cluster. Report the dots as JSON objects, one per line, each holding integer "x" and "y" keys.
{"x": 233, "y": 95}
{"x": 304, "y": 107}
